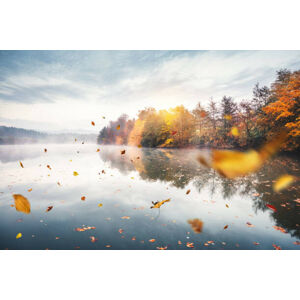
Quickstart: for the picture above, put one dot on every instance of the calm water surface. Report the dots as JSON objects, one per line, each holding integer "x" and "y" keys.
{"x": 126, "y": 188}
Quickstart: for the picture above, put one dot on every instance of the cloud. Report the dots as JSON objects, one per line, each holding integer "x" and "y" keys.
{"x": 69, "y": 88}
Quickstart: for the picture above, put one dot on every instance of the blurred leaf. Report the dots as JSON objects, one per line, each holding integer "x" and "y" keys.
{"x": 19, "y": 235}
{"x": 283, "y": 182}
{"x": 21, "y": 164}
{"x": 22, "y": 204}
{"x": 196, "y": 225}
{"x": 75, "y": 173}
{"x": 49, "y": 208}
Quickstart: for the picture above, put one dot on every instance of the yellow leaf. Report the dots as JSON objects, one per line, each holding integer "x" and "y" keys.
{"x": 118, "y": 127}
{"x": 233, "y": 164}
{"x": 98, "y": 150}
{"x": 235, "y": 131}
{"x": 75, "y": 173}
{"x": 159, "y": 204}
{"x": 227, "y": 117}
{"x": 100, "y": 205}
{"x": 29, "y": 190}
{"x": 19, "y": 235}
{"x": 22, "y": 204}
{"x": 283, "y": 182}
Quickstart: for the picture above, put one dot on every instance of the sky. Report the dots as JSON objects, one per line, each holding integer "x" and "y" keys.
{"x": 63, "y": 91}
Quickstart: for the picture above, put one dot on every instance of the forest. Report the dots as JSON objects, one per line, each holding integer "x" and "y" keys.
{"x": 220, "y": 124}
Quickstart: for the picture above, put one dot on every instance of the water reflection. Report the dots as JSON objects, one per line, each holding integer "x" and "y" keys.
{"x": 127, "y": 187}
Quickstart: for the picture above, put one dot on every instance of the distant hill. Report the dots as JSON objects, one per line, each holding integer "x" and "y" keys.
{"x": 13, "y": 135}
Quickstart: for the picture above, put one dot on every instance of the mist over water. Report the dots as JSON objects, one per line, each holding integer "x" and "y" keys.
{"x": 126, "y": 185}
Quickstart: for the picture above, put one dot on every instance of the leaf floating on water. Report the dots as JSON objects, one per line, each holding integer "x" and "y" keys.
{"x": 271, "y": 207}
{"x": 162, "y": 248}
{"x": 125, "y": 218}
{"x": 123, "y": 152}
{"x": 227, "y": 205}
{"x": 283, "y": 182}
{"x": 196, "y": 225}
{"x": 256, "y": 243}
{"x": 108, "y": 246}
{"x": 83, "y": 198}
{"x": 179, "y": 243}
{"x": 190, "y": 245}
{"x": 232, "y": 164}
{"x": 45, "y": 150}
{"x": 29, "y": 190}
{"x": 100, "y": 205}
{"x": 85, "y": 228}
{"x": 93, "y": 239}
{"x": 118, "y": 127}
{"x": 49, "y": 208}
{"x": 133, "y": 238}
{"x": 225, "y": 227}
{"x": 21, "y": 164}
{"x": 297, "y": 243}
{"x": 228, "y": 117}
{"x": 48, "y": 166}
{"x": 159, "y": 204}
{"x": 279, "y": 229}
{"x": 75, "y": 173}
{"x": 93, "y": 123}
{"x": 22, "y": 204}
{"x": 98, "y": 150}
{"x": 188, "y": 191}
{"x": 234, "y": 131}
{"x": 152, "y": 240}
{"x": 19, "y": 235}
{"x": 276, "y": 247}
{"x": 249, "y": 224}
{"x": 58, "y": 183}
{"x": 121, "y": 230}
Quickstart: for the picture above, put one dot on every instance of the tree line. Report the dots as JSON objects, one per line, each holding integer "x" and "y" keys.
{"x": 224, "y": 124}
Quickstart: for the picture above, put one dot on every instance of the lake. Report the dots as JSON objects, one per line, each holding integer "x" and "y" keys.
{"x": 119, "y": 190}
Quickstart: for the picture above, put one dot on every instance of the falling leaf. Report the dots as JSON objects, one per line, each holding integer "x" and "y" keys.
{"x": 190, "y": 245}
{"x": 279, "y": 229}
{"x": 225, "y": 227}
{"x": 29, "y": 190}
{"x": 173, "y": 132}
{"x": 159, "y": 204}
{"x": 152, "y": 240}
{"x": 276, "y": 247}
{"x": 249, "y": 224}
{"x": 234, "y": 131}
{"x": 123, "y": 152}
{"x": 98, "y": 150}
{"x": 232, "y": 164}
{"x": 283, "y": 182}
{"x": 83, "y": 198}
{"x": 125, "y": 218}
{"x": 162, "y": 248}
{"x": 93, "y": 123}
{"x": 196, "y": 225}
{"x": 188, "y": 191}
{"x": 48, "y": 167}
{"x": 75, "y": 173}
{"x": 19, "y": 235}
{"x": 49, "y": 208}
{"x": 93, "y": 239}
{"x": 22, "y": 204}
{"x": 45, "y": 150}
{"x": 21, "y": 164}
{"x": 100, "y": 205}
{"x": 118, "y": 127}
{"x": 271, "y": 207}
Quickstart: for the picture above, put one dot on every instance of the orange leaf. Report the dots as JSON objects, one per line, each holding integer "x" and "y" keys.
{"x": 22, "y": 204}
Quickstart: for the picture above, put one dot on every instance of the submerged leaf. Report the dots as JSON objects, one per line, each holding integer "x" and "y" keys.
{"x": 22, "y": 204}
{"x": 159, "y": 204}
{"x": 283, "y": 182}
{"x": 196, "y": 225}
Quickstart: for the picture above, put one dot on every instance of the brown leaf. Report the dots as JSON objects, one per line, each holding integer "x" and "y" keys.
{"x": 190, "y": 245}
{"x": 22, "y": 204}
{"x": 118, "y": 127}
{"x": 93, "y": 123}
{"x": 21, "y": 164}
{"x": 29, "y": 190}
{"x": 49, "y": 208}
{"x": 188, "y": 191}
{"x": 225, "y": 227}
{"x": 48, "y": 167}
{"x": 83, "y": 198}
{"x": 196, "y": 225}
{"x": 45, "y": 150}
{"x": 123, "y": 152}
